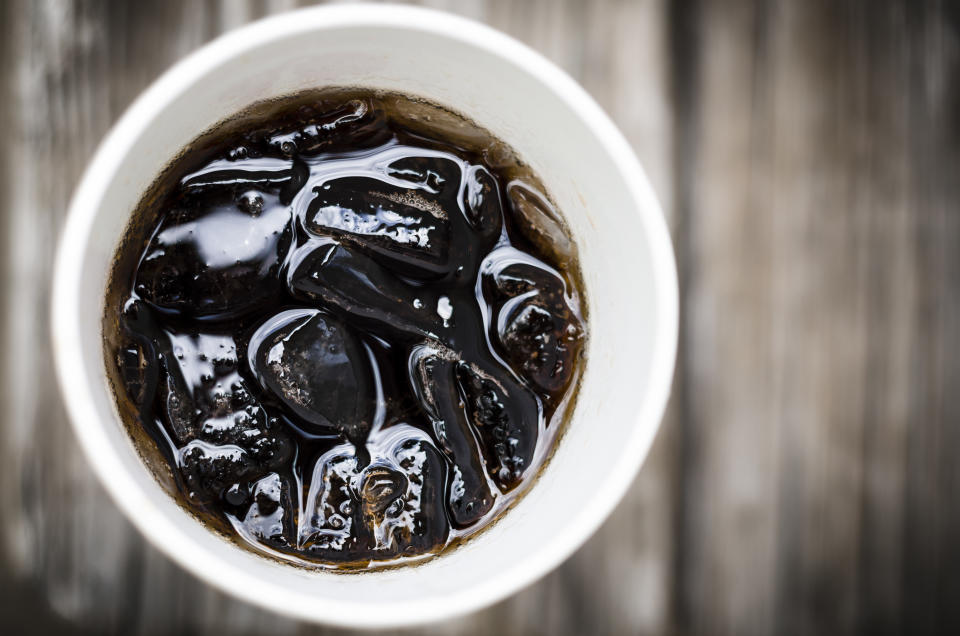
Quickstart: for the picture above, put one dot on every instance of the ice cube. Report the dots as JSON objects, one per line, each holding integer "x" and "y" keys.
{"x": 402, "y": 228}
{"x": 483, "y": 208}
{"x": 350, "y": 125}
{"x": 538, "y": 323}
{"x": 226, "y": 434}
{"x": 213, "y": 258}
{"x": 540, "y": 223}
{"x": 260, "y": 171}
{"x": 505, "y": 416}
{"x": 386, "y": 509}
{"x": 269, "y": 519}
{"x": 469, "y": 195}
{"x": 353, "y": 285}
{"x": 432, "y": 375}
{"x": 318, "y": 368}
{"x": 208, "y": 469}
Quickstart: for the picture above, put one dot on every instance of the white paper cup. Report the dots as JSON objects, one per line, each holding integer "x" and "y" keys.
{"x": 584, "y": 163}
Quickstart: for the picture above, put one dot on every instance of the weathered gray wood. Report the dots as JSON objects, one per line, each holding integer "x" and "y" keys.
{"x": 821, "y": 319}
{"x": 808, "y": 157}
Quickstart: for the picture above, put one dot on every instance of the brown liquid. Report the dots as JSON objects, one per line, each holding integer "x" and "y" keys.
{"x": 351, "y": 326}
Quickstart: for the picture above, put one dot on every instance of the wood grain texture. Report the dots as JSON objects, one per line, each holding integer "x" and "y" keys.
{"x": 807, "y": 154}
{"x": 820, "y": 319}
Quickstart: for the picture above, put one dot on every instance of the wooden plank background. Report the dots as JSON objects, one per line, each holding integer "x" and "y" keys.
{"x": 807, "y": 154}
